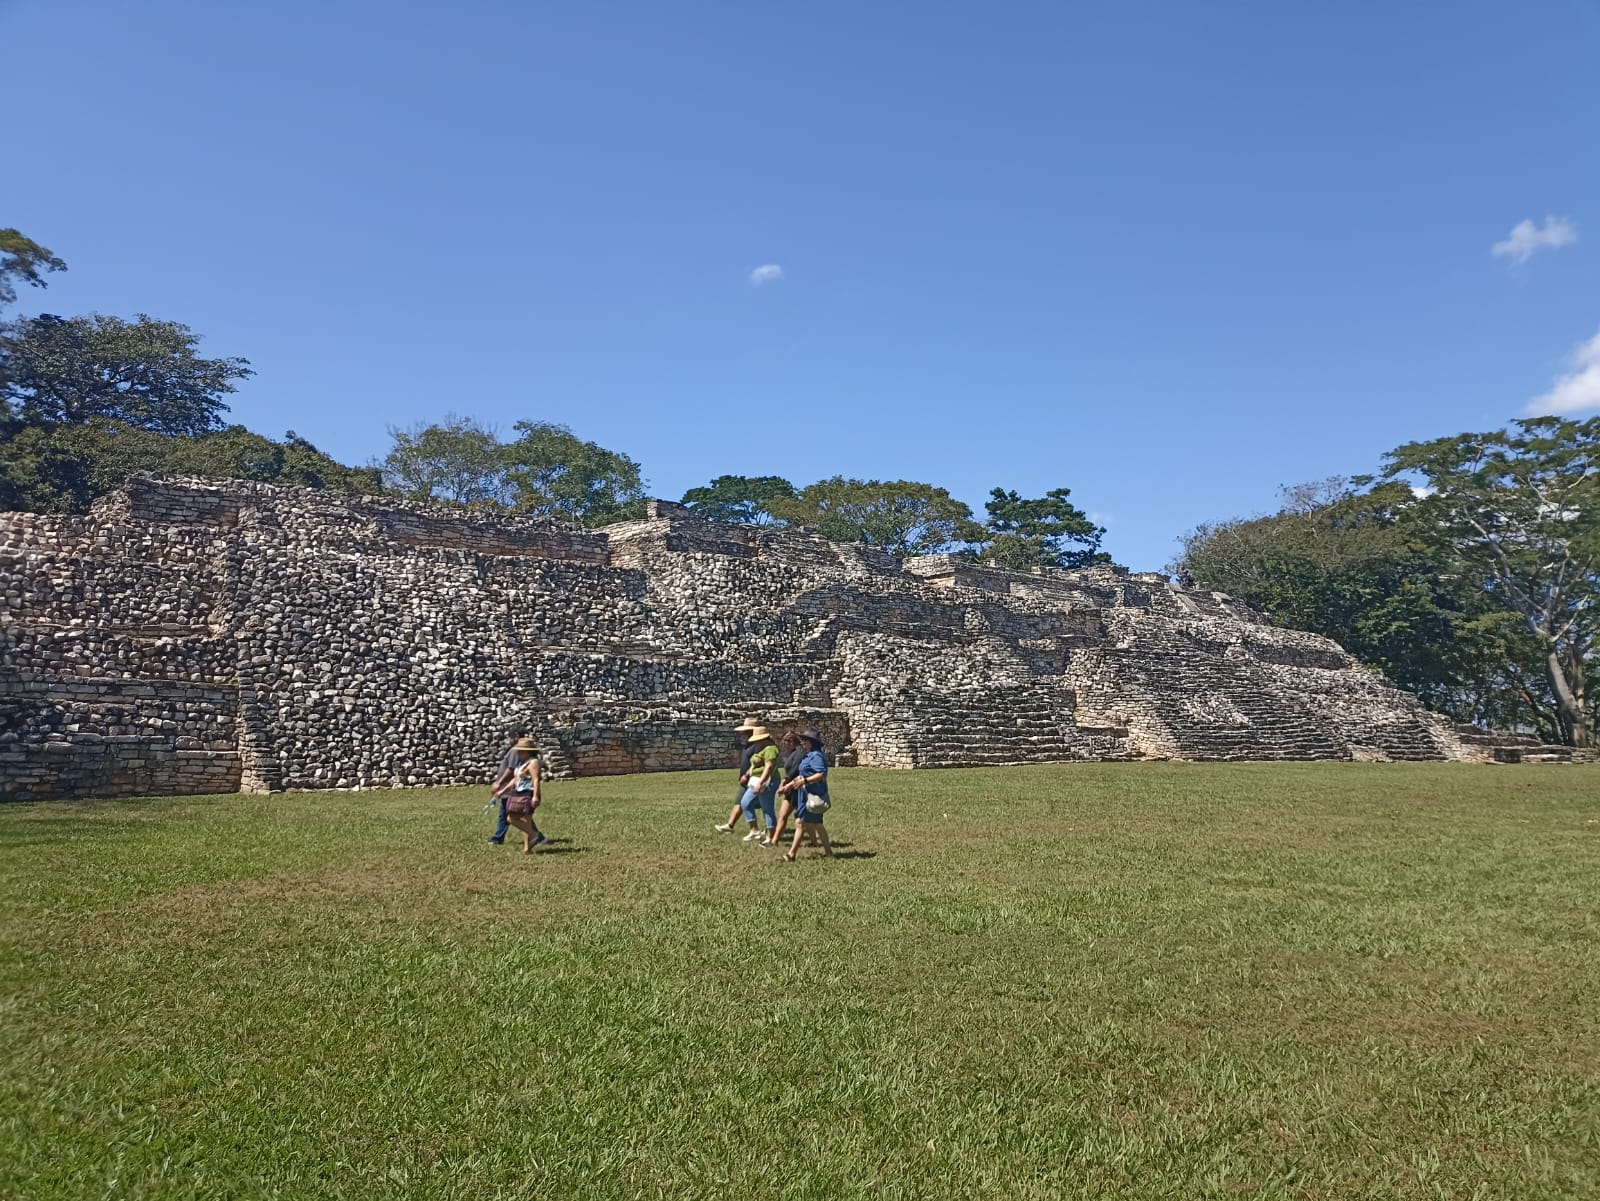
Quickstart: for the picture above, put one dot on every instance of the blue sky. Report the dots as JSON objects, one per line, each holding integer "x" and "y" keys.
{"x": 1171, "y": 256}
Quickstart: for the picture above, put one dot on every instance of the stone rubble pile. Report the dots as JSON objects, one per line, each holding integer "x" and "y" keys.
{"x": 193, "y": 636}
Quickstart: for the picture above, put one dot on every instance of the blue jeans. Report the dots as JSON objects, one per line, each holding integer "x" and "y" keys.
{"x": 502, "y": 825}
{"x": 769, "y": 804}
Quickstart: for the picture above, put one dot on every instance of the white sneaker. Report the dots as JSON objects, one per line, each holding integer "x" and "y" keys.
{"x": 751, "y": 837}
{"x": 723, "y": 829}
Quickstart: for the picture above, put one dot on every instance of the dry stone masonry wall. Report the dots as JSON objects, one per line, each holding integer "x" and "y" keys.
{"x": 194, "y": 637}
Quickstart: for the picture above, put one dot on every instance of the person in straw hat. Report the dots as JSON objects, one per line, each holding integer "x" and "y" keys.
{"x": 745, "y": 753}
{"x": 809, "y": 787}
{"x": 522, "y": 796}
{"x": 766, "y": 764}
{"x": 502, "y": 784}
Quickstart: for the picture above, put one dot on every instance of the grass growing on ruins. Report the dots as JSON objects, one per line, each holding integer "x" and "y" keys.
{"x": 1184, "y": 981}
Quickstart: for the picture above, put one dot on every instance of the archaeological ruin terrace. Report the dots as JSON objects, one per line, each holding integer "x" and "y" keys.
{"x": 192, "y": 636}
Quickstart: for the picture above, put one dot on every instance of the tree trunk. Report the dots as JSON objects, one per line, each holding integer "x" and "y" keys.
{"x": 1574, "y": 726}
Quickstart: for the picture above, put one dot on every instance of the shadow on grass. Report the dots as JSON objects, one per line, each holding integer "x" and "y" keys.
{"x": 841, "y": 850}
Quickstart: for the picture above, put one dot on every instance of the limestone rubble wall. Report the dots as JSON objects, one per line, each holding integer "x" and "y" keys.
{"x": 192, "y": 636}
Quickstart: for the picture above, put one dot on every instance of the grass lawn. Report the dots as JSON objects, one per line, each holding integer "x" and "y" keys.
{"x": 1098, "y": 981}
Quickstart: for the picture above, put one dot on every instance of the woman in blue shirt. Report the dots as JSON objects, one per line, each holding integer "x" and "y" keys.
{"x": 809, "y": 788}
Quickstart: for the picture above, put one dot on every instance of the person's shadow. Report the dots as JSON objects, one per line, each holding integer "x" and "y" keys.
{"x": 560, "y": 846}
{"x": 843, "y": 850}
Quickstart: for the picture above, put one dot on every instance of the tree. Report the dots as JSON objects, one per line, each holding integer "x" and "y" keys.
{"x": 1034, "y": 533}
{"x": 740, "y": 499}
{"x": 900, "y": 516}
{"x": 1366, "y": 569}
{"x": 458, "y": 460}
{"x": 144, "y": 373}
{"x": 554, "y": 473}
{"x": 234, "y": 452}
{"x": 65, "y": 468}
{"x": 22, "y": 259}
{"x": 1327, "y": 525}
{"x": 1517, "y": 511}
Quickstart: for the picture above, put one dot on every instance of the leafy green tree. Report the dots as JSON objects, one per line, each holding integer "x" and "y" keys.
{"x": 143, "y": 373}
{"x": 1048, "y": 531}
{"x": 551, "y": 472}
{"x": 1517, "y": 513}
{"x": 46, "y": 470}
{"x": 65, "y": 468}
{"x": 900, "y": 516}
{"x": 740, "y": 499}
{"x": 1362, "y": 568}
{"x": 22, "y": 260}
{"x": 234, "y": 452}
{"x": 459, "y": 460}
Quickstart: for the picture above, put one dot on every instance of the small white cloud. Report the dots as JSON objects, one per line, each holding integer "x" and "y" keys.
{"x": 766, "y": 274}
{"x": 1423, "y": 491}
{"x": 1099, "y": 518}
{"x": 1578, "y": 388}
{"x": 1527, "y": 237}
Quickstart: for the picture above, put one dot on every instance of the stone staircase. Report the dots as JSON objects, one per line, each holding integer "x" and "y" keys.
{"x": 1024, "y": 722}
{"x": 1257, "y": 726}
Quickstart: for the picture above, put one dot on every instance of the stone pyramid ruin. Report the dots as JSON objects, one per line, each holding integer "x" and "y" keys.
{"x": 192, "y": 636}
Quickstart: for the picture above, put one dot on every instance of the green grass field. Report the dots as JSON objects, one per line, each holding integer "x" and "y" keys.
{"x": 1098, "y": 981}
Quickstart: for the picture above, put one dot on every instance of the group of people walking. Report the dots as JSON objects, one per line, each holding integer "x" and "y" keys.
{"x": 780, "y": 784}
{"x": 775, "y": 784}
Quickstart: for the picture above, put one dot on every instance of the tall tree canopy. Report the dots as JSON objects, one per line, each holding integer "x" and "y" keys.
{"x": 740, "y": 499}
{"x": 1478, "y": 591}
{"x": 1048, "y": 531}
{"x": 144, "y": 373}
{"x": 459, "y": 460}
{"x": 546, "y": 471}
{"x": 22, "y": 260}
{"x": 1517, "y": 511}
{"x": 87, "y": 401}
{"x": 1352, "y": 566}
{"x": 65, "y": 468}
{"x": 900, "y": 516}
{"x": 554, "y": 473}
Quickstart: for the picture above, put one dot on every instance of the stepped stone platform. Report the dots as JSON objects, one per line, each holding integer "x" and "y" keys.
{"x": 1506, "y": 747}
{"x": 192, "y": 636}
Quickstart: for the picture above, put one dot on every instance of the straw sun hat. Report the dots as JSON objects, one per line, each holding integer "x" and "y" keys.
{"x": 759, "y": 734}
{"x": 527, "y": 744}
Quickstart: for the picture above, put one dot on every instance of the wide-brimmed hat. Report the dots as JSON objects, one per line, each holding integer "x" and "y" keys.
{"x": 810, "y": 735}
{"x": 749, "y": 723}
{"x": 526, "y": 744}
{"x": 759, "y": 733}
